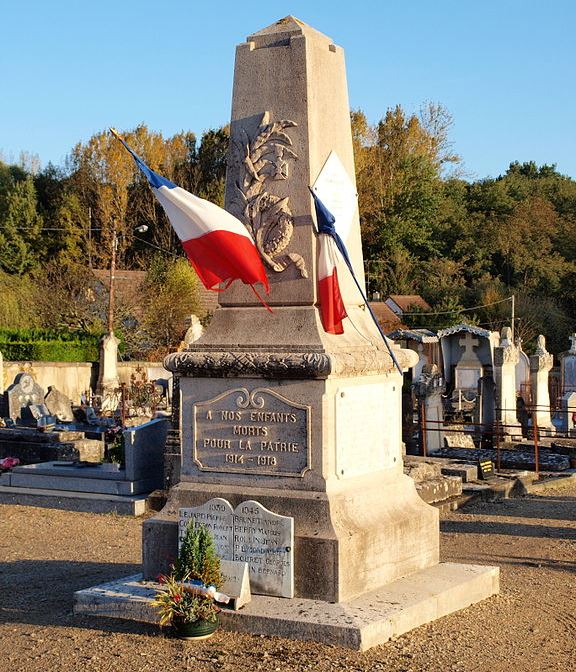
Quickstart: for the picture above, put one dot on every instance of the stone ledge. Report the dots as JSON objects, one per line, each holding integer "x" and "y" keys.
{"x": 359, "y": 624}
{"x": 133, "y": 505}
{"x": 217, "y": 363}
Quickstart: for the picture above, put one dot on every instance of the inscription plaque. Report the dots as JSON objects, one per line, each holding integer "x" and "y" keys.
{"x": 251, "y": 534}
{"x": 265, "y": 540}
{"x": 217, "y": 515}
{"x": 258, "y": 432}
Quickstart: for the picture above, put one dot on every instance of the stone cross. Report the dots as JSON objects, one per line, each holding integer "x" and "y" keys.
{"x": 573, "y": 344}
{"x": 469, "y": 343}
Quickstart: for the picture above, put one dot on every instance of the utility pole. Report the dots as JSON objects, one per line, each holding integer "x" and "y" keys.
{"x": 89, "y": 237}
{"x": 112, "y": 278}
{"x": 512, "y": 318}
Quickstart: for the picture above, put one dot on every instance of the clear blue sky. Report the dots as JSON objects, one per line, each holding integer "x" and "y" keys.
{"x": 505, "y": 69}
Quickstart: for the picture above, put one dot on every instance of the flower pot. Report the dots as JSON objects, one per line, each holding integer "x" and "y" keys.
{"x": 199, "y": 629}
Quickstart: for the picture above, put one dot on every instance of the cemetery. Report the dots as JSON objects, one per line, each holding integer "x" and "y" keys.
{"x": 291, "y": 489}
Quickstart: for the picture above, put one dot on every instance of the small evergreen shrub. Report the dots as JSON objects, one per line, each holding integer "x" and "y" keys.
{"x": 198, "y": 559}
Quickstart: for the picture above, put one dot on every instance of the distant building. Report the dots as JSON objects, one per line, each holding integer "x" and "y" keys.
{"x": 422, "y": 341}
{"x": 386, "y": 317}
{"x": 406, "y": 303}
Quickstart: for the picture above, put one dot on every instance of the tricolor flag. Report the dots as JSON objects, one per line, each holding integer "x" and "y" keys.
{"x": 332, "y": 310}
{"x": 218, "y": 245}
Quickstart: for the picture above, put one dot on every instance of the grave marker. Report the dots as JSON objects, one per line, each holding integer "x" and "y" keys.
{"x": 252, "y": 534}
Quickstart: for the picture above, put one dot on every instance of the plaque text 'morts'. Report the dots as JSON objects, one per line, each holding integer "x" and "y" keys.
{"x": 259, "y": 432}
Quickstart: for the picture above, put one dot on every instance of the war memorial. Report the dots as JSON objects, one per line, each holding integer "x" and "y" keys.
{"x": 291, "y": 436}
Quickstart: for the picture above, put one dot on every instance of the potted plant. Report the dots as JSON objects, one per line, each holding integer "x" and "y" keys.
{"x": 186, "y": 599}
{"x": 192, "y": 614}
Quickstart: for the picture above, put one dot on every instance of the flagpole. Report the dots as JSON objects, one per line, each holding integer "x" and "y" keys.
{"x": 325, "y": 221}
{"x": 384, "y": 338}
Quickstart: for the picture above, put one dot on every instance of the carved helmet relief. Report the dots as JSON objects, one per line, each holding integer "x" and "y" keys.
{"x": 257, "y": 161}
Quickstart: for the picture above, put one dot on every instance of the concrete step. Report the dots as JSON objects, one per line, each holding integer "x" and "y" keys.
{"x": 134, "y": 505}
{"x": 421, "y": 470}
{"x": 359, "y": 624}
{"x": 87, "y": 485}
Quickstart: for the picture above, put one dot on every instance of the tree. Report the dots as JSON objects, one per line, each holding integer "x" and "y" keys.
{"x": 399, "y": 188}
{"x": 18, "y": 309}
{"x": 169, "y": 294}
{"x": 20, "y": 226}
{"x": 75, "y": 301}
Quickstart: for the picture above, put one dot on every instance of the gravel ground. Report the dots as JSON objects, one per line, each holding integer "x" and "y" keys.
{"x": 45, "y": 555}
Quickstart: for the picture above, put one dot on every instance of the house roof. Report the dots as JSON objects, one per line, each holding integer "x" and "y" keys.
{"x": 470, "y": 328}
{"x": 387, "y": 318}
{"x": 126, "y": 284}
{"x": 418, "y": 335}
{"x": 406, "y": 301}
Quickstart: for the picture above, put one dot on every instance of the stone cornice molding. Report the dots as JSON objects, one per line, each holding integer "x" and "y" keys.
{"x": 284, "y": 364}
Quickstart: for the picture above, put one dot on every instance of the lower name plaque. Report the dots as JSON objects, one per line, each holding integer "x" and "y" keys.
{"x": 258, "y": 432}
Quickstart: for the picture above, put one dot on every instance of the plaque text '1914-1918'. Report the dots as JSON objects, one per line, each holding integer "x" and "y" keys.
{"x": 258, "y": 432}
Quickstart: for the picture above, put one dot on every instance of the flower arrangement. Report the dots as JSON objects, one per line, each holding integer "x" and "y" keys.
{"x": 9, "y": 462}
{"x": 179, "y": 603}
{"x": 186, "y": 597}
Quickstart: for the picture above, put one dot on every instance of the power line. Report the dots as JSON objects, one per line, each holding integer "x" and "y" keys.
{"x": 461, "y": 310}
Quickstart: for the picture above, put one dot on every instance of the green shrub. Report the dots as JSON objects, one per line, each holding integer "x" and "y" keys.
{"x": 197, "y": 558}
{"x": 49, "y": 351}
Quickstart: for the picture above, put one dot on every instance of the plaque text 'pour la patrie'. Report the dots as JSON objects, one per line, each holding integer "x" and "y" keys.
{"x": 259, "y": 432}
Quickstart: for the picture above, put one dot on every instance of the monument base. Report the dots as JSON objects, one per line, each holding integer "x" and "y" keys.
{"x": 357, "y": 624}
{"x": 346, "y": 543}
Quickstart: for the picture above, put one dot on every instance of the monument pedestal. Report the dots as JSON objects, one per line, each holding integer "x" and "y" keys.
{"x": 346, "y": 543}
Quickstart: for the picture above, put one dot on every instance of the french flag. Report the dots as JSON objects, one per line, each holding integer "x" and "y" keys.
{"x": 332, "y": 310}
{"x": 218, "y": 245}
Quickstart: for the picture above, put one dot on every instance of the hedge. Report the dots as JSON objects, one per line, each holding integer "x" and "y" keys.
{"x": 50, "y": 351}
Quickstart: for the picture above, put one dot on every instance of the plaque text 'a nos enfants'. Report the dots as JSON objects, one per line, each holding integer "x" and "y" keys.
{"x": 258, "y": 432}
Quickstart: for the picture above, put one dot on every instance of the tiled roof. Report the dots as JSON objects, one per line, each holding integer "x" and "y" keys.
{"x": 470, "y": 328}
{"x": 406, "y": 301}
{"x": 418, "y": 335}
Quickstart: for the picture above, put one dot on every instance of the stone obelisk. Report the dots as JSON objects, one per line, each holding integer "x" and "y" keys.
{"x": 273, "y": 408}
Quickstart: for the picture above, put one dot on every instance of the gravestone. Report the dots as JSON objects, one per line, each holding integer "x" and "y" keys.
{"x": 108, "y": 379}
{"x": 59, "y": 404}
{"x": 429, "y": 390}
{"x": 250, "y": 534}
{"x": 265, "y": 541}
{"x": 468, "y": 358}
{"x": 23, "y": 393}
{"x": 568, "y": 412}
{"x": 506, "y": 358}
{"x": 523, "y": 373}
{"x": 194, "y": 331}
{"x": 218, "y": 516}
{"x": 568, "y": 367}
{"x": 541, "y": 363}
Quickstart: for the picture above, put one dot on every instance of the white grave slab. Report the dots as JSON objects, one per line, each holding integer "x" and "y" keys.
{"x": 217, "y": 515}
{"x": 236, "y": 582}
{"x": 252, "y": 534}
{"x": 265, "y": 540}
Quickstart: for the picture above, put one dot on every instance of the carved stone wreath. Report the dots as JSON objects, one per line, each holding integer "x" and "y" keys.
{"x": 268, "y": 217}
